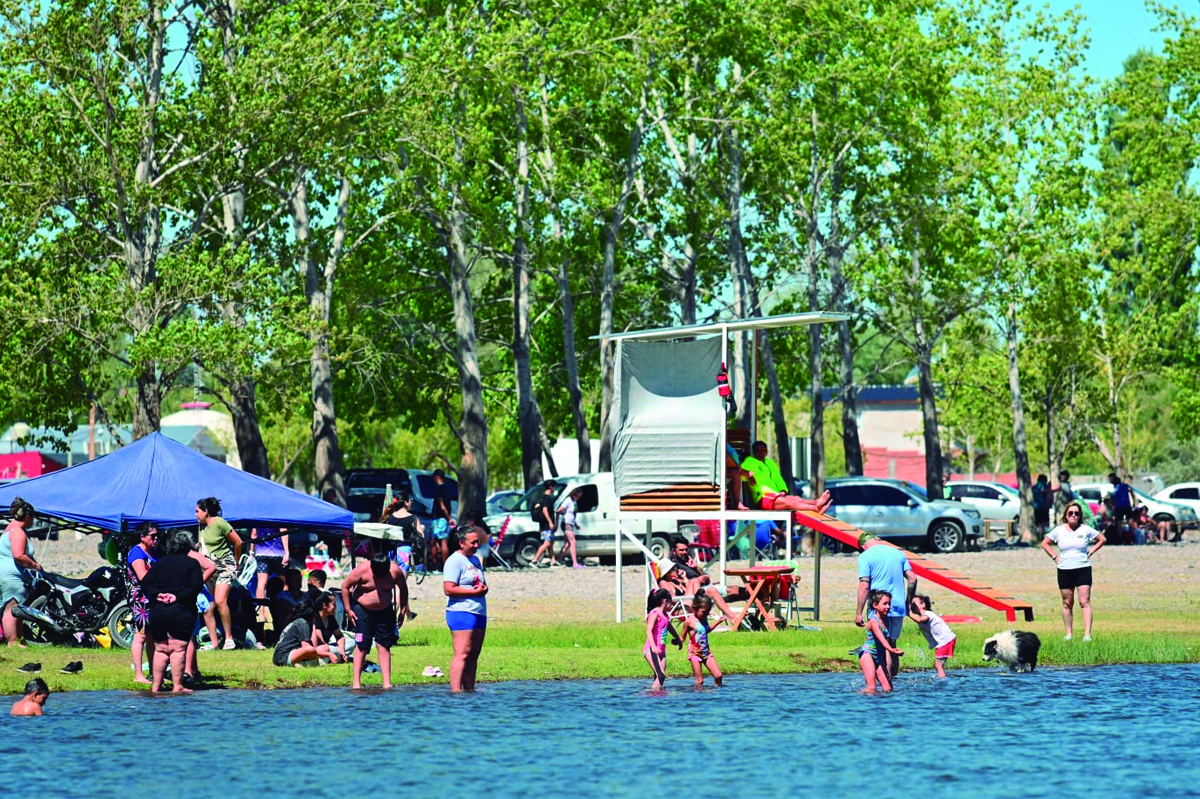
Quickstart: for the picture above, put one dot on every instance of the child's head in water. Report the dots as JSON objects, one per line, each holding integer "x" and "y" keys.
{"x": 921, "y": 603}
{"x": 657, "y": 599}
{"x": 701, "y": 604}
{"x": 881, "y": 602}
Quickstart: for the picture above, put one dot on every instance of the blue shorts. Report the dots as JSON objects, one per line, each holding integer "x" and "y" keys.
{"x": 893, "y": 627}
{"x": 440, "y": 529}
{"x": 547, "y": 535}
{"x": 459, "y": 620}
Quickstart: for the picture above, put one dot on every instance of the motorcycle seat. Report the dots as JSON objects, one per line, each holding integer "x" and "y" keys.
{"x": 62, "y": 582}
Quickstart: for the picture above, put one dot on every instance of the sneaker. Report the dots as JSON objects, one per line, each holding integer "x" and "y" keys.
{"x": 30, "y": 668}
{"x": 1068, "y": 637}
{"x": 578, "y": 566}
{"x": 207, "y": 648}
{"x": 1087, "y": 637}
{"x": 74, "y": 667}
{"x": 229, "y": 644}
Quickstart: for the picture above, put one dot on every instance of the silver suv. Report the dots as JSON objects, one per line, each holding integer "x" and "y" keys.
{"x": 895, "y": 510}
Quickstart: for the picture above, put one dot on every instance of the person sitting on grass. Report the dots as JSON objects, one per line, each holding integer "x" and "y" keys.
{"x": 298, "y": 641}
{"x": 327, "y": 634}
{"x": 289, "y": 598}
{"x": 36, "y": 694}
{"x": 316, "y": 583}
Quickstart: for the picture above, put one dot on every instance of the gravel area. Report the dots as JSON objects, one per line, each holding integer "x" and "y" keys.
{"x": 1129, "y": 580}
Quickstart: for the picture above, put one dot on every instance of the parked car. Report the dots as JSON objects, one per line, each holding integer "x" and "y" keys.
{"x": 1161, "y": 510}
{"x": 398, "y": 479}
{"x": 503, "y": 501}
{"x": 1182, "y": 494}
{"x": 993, "y": 500}
{"x": 595, "y": 514}
{"x": 896, "y": 511}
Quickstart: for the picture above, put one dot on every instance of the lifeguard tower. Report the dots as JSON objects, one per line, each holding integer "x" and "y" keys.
{"x": 670, "y": 436}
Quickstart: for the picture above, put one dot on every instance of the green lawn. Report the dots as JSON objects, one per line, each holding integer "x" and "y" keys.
{"x": 596, "y": 651}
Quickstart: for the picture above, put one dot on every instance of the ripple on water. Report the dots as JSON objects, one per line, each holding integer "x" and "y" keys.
{"x": 974, "y": 733}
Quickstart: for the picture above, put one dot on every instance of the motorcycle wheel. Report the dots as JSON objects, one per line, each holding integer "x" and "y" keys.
{"x": 35, "y": 634}
{"x": 121, "y": 627}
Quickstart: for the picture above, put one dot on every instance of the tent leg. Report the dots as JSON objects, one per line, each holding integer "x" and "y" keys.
{"x": 618, "y": 562}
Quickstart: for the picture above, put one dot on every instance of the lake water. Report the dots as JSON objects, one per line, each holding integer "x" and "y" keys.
{"x": 1118, "y": 731}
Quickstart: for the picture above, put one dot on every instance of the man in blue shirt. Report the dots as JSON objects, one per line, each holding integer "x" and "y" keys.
{"x": 882, "y": 567}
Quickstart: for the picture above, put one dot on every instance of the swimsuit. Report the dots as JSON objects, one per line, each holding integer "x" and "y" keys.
{"x": 698, "y": 651}
{"x": 658, "y": 634}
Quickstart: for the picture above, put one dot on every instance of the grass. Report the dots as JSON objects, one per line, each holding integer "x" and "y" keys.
{"x": 600, "y": 651}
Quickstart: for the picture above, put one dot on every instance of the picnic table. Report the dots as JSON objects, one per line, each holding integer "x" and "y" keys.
{"x": 763, "y": 603}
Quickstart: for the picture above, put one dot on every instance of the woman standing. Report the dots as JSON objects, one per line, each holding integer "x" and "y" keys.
{"x": 466, "y": 608}
{"x": 224, "y": 546}
{"x": 1077, "y": 543}
{"x": 172, "y": 585}
{"x": 399, "y": 514}
{"x": 137, "y": 564}
{"x": 269, "y": 547}
{"x": 16, "y": 568}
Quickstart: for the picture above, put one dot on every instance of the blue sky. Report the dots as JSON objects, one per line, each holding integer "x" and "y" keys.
{"x": 1117, "y": 29}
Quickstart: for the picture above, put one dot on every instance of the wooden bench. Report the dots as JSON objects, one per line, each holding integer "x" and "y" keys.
{"x": 684, "y": 497}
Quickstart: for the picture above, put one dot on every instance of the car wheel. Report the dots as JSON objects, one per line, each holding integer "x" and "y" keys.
{"x": 946, "y": 536}
{"x": 526, "y": 549}
{"x": 660, "y": 547}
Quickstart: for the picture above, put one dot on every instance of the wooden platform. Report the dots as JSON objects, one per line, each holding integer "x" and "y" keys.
{"x": 701, "y": 497}
{"x": 923, "y": 567}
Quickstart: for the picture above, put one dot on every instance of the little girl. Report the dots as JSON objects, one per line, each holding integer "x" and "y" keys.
{"x": 939, "y": 635}
{"x": 870, "y": 657}
{"x": 698, "y": 628}
{"x": 658, "y": 624}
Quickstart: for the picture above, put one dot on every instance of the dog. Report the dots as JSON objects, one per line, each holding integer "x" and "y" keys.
{"x": 1016, "y": 649}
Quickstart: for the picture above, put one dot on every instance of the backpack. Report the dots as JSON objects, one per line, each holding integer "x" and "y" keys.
{"x": 535, "y": 510}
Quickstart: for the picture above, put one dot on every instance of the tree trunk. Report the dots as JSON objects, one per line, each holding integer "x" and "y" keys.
{"x": 742, "y": 371}
{"x": 473, "y": 432}
{"x": 851, "y": 445}
{"x": 567, "y": 303}
{"x": 608, "y": 347}
{"x": 529, "y": 416}
{"x": 1020, "y": 449}
{"x": 251, "y": 450}
{"x": 934, "y": 476}
{"x": 319, "y": 293}
{"x": 143, "y": 233}
{"x": 783, "y": 444}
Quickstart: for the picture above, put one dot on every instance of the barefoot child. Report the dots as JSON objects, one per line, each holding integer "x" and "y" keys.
{"x": 698, "y": 628}
{"x": 375, "y": 595}
{"x": 36, "y": 694}
{"x": 658, "y": 624}
{"x": 871, "y": 657}
{"x": 939, "y": 635}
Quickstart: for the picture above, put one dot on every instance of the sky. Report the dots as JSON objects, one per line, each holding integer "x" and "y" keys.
{"x": 1117, "y": 28}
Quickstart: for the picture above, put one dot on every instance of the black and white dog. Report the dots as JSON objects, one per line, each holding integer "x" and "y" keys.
{"x": 1016, "y": 649}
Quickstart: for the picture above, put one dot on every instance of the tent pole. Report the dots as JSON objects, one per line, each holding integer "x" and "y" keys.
{"x": 618, "y": 559}
{"x": 723, "y": 513}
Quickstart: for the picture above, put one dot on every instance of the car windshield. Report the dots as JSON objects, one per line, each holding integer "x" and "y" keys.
{"x": 525, "y": 502}
{"x": 508, "y": 502}
{"x": 916, "y": 489}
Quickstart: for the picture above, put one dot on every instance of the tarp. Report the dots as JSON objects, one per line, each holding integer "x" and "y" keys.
{"x": 669, "y": 415}
{"x": 159, "y": 480}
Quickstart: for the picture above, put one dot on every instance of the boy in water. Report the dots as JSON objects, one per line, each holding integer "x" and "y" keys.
{"x": 36, "y": 694}
{"x": 375, "y": 596}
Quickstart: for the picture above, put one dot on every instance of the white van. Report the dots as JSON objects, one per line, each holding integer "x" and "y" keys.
{"x": 595, "y": 515}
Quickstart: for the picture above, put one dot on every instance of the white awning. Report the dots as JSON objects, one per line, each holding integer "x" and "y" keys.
{"x": 714, "y": 328}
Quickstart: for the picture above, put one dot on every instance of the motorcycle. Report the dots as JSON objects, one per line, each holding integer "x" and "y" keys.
{"x": 62, "y": 610}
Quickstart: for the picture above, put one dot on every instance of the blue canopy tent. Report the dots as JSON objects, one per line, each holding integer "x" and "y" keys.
{"x": 159, "y": 480}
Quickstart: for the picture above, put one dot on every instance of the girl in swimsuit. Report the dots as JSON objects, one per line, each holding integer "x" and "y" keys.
{"x": 870, "y": 654}
{"x": 698, "y": 627}
{"x": 658, "y": 624}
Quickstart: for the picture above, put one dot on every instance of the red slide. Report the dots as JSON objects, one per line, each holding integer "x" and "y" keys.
{"x": 923, "y": 567}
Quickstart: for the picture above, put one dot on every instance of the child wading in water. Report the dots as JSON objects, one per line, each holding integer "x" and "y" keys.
{"x": 870, "y": 654}
{"x": 939, "y": 635}
{"x": 698, "y": 628}
{"x": 658, "y": 624}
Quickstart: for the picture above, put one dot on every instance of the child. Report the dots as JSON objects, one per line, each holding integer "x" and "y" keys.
{"x": 698, "y": 628}
{"x": 871, "y": 658}
{"x": 375, "y": 596}
{"x": 941, "y": 639}
{"x": 36, "y": 694}
{"x": 658, "y": 624}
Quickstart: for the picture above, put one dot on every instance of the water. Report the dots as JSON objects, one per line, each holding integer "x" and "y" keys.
{"x": 1118, "y": 731}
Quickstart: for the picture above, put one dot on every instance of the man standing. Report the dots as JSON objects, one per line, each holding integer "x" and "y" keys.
{"x": 765, "y": 474}
{"x": 543, "y": 513}
{"x": 882, "y": 567}
{"x": 1122, "y": 497}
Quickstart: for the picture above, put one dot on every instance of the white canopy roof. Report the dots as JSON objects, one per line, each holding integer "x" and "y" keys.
{"x": 712, "y": 328}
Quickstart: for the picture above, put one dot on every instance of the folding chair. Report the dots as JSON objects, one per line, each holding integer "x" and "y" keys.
{"x": 681, "y": 606}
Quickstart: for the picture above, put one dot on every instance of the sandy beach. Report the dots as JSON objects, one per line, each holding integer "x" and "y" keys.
{"x": 1155, "y": 580}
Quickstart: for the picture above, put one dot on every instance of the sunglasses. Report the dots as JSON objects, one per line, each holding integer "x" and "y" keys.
{"x": 1074, "y": 513}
